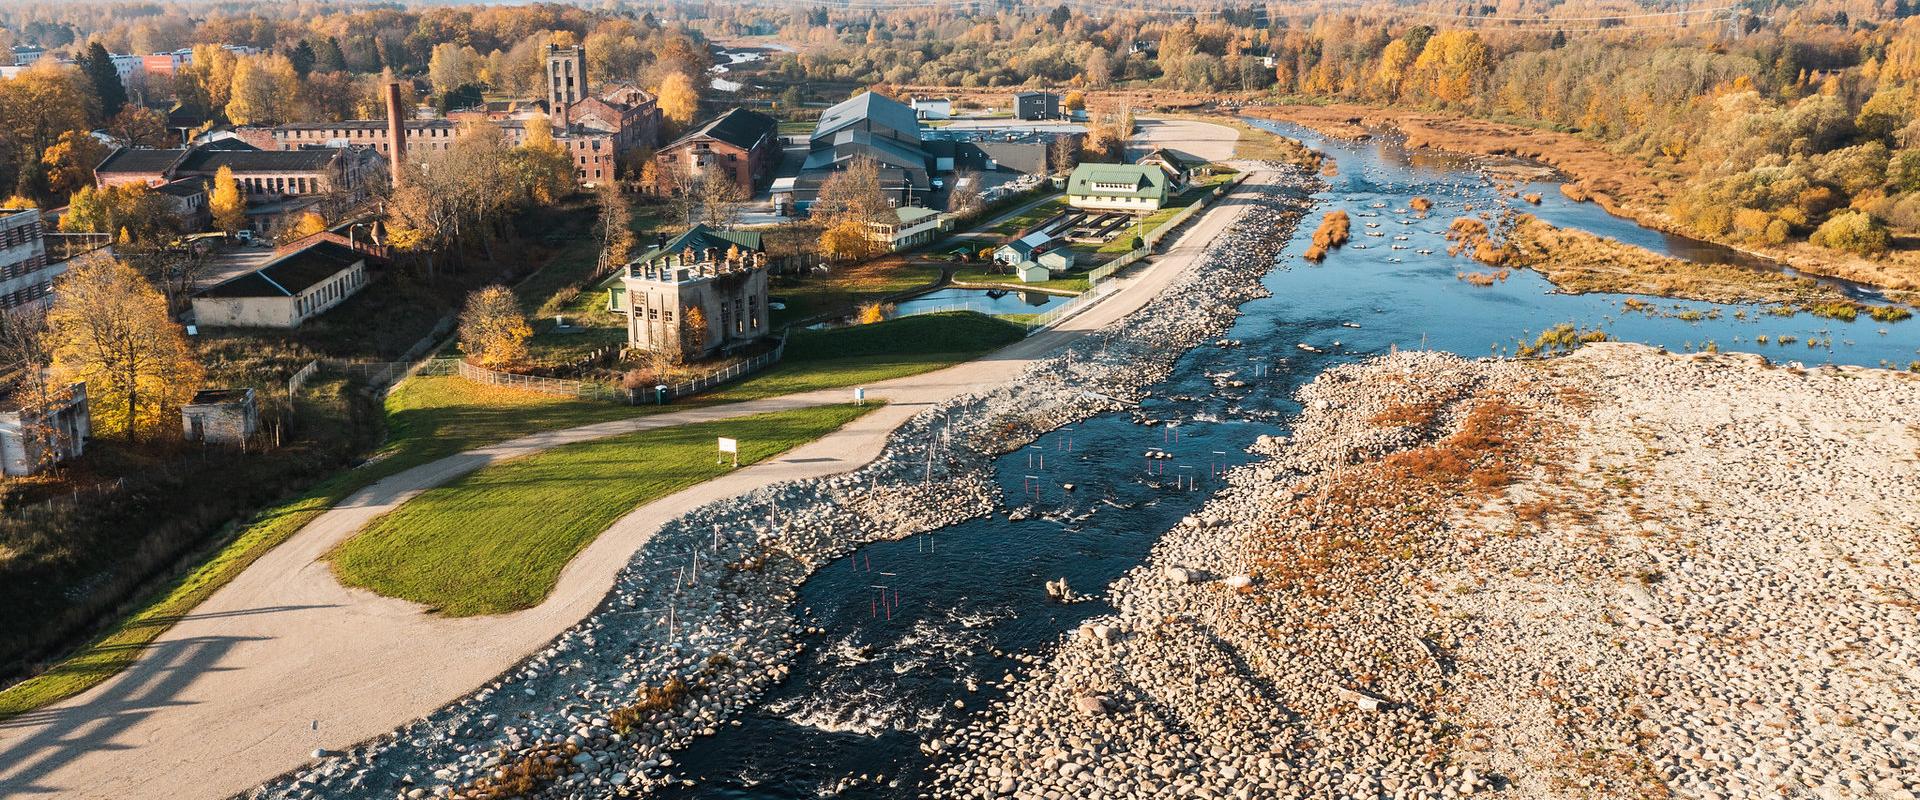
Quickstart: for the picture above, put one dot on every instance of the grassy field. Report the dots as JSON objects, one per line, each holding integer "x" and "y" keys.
{"x": 1030, "y": 217}
{"x": 496, "y": 540}
{"x": 864, "y": 354}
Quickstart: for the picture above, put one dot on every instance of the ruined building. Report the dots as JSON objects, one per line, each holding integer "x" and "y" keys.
{"x": 721, "y": 274}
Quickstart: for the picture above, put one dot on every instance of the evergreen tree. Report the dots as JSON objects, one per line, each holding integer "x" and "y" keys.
{"x": 98, "y": 66}
{"x": 303, "y": 59}
{"x": 328, "y": 56}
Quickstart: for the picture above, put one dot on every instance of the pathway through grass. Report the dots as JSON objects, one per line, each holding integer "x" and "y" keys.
{"x": 496, "y": 539}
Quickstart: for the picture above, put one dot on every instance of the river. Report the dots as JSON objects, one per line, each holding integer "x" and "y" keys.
{"x": 913, "y": 626}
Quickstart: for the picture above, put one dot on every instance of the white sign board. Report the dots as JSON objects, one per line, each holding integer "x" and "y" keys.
{"x": 728, "y": 445}
{"x": 860, "y": 396}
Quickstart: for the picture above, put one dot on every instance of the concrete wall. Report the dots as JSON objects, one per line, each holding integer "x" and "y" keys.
{"x": 228, "y": 424}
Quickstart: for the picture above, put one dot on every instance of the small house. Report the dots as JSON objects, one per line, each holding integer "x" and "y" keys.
{"x": 913, "y": 226}
{"x": 932, "y": 107}
{"x": 1132, "y": 188}
{"x": 1180, "y": 167}
{"x": 221, "y": 416}
{"x": 36, "y": 435}
{"x": 1032, "y": 272}
{"x": 1046, "y": 266}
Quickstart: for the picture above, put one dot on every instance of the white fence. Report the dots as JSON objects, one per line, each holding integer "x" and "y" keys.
{"x": 597, "y": 390}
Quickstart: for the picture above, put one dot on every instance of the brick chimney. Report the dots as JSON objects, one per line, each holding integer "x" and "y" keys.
{"x": 396, "y": 131}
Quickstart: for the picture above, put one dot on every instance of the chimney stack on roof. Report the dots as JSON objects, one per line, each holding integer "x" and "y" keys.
{"x": 396, "y": 131}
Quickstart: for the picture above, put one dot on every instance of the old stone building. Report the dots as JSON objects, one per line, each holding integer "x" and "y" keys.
{"x": 744, "y": 145}
{"x": 699, "y": 294}
{"x": 221, "y": 416}
{"x": 38, "y": 434}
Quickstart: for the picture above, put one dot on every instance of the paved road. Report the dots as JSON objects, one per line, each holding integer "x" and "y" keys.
{"x": 285, "y": 660}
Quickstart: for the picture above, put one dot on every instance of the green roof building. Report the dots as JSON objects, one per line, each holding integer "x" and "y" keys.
{"x": 1132, "y": 188}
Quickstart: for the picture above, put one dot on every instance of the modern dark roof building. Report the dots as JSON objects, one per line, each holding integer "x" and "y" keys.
{"x": 1036, "y": 105}
{"x": 871, "y": 126}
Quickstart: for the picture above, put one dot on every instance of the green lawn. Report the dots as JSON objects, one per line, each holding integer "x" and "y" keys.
{"x": 1030, "y": 217}
{"x": 496, "y": 539}
{"x": 845, "y": 288}
{"x": 863, "y": 354}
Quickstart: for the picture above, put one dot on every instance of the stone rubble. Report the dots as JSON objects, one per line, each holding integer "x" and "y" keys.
{"x": 1695, "y": 581}
{"x": 703, "y": 620}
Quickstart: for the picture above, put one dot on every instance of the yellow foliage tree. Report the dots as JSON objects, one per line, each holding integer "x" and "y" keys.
{"x": 679, "y": 99}
{"x": 265, "y": 90}
{"x": 227, "y": 203}
{"x": 1453, "y": 65}
{"x": 493, "y": 331}
{"x": 70, "y": 160}
{"x": 308, "y": 224}
{"x": 846, "y": 239}
{"x": 109, "y": 329}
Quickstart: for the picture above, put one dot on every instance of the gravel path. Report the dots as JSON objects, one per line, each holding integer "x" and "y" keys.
{"x": 1619, "y": 573}
{"x": 284, "y": 663}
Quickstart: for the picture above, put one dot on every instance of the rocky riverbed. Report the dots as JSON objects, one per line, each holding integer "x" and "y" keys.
{"x": 1619, "y": 573}
{"x": 703, "y": 621}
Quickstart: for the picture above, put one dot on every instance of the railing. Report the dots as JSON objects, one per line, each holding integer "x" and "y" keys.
{"x": 299, "y": 379}
{"x": 66, "y": 502}
{"x": 1085, "y": 299}
{"x": 596, "y": 390}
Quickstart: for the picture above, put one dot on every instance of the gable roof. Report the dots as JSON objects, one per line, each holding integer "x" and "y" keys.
{"x": 883, "y": 110}
{"x": 702, "y": 236}
{"x": 1173, "y": 158}
{"x": 139, "y": 160}
{"x": 738, "y": 127}
{"x": 848, "y": 145}
{"x": 289, "y": 275}
{"x": 1143, "y": 180}
{"x": 303, "y": 160}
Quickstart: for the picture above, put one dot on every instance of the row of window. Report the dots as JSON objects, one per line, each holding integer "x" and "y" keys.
{"x": 332, "y": 292}
{"x": 33, "y": 263}
{"x": 30, "y": 294}
{"x": 281, "y": 185}
{"x": 324, "y": 134}
{"x": 20, "y": 234}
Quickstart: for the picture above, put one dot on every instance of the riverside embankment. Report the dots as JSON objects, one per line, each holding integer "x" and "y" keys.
{"x": 1620, "y": 573}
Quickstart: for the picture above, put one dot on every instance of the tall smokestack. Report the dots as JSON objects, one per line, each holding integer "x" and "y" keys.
{"x": 396, "y": 132}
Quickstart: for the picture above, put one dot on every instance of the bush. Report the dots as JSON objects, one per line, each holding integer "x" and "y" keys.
{"x": 1852, "y": 232}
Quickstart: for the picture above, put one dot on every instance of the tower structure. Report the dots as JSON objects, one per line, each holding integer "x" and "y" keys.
{"x": 566, "y": 81}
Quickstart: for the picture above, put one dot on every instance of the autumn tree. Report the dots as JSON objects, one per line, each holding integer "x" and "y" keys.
{"x": 693, "y": 330}
{"x": 493, "y": 331}
{"x": 27, "y": 348}
{"x": 39, "y": 104}
{"x": 70, "y": 160}
{"x": 1453, "y": 65}
{"x": 308, "y": 224}
{"x": 850, "y": 203}
{"x": 615, "y": 226}
{"x": 965, "y": 196}
{"x": 133, "y": 209}
{"x": 207, "y": 79}
{"x": 109, "y": 329}
{"x": 265, "y": 91}
{"x": 541, "y": 164}
{"x": 140, "y": 126}
{"x": 227, "y": 203}
{"x": 720, "y": 198}
{"x": 679, "y": 99}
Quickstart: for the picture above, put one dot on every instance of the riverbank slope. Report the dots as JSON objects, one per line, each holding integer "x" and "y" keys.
{"x": 1620, "y": 573}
